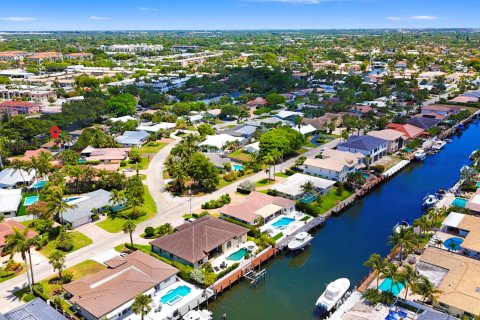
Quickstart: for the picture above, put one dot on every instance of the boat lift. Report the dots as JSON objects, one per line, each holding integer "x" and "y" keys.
{"x": 255, "y": 276}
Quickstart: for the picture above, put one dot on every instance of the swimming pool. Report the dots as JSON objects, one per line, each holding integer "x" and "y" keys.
{"x": 30, "y": 200}
{"x": 38, "y": 185}
{"x": 478, "y": 184}
{"x": 366, "y": 175}
{"x": 397, "y": 287}
{"x": 72, "y": 199}
{"x": 237, "y": 167}
{"x": 175, "y": 295}
{"x": 459, "y": 202}
{"x": 237, "y": 255}
{"x": 282, "y": 223}
{"x": 453, "y": 244}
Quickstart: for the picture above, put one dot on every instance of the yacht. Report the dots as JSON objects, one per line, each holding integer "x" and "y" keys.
{"x": 399, "y": 226}
{"x": 438, "y": 145}
{"x": 300, "y": 240}
{"x": 332, "y": 295}
{"x": 420, "y": 154}
{"x": 198, "y": 315}
{"x": 429, "y": 201}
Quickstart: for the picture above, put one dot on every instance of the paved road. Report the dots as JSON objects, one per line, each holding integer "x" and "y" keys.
{"x": 170, "y": 209}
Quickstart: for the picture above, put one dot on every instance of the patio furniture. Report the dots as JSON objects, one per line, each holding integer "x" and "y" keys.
{"x": 217, "y": 269}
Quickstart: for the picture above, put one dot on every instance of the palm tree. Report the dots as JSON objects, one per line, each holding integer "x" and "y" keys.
{"x": 410, "y": 277}
{"x": 423, "y": 223}
{"x": 58, "y": 205}
{"x": 405, "y": 239}
{"x": 116, "y": 197}
{"x": 344, "y": 135}
{"x": 141, "y": 305}
{"x": 308, "y": 187}
{"x": 129, "y": 227}
{"x": 19, "y": 242}
{"x": 391, "y": 271}
{"x": 269, "y": 159}
{"x": 376, "y": 263}
{"x": 21, "y": 167}
{"x": 437, "y": 242}
{"x": 57, "y": 260}
{"x": 136, "y": 167}
{"x": 426, "y": 289}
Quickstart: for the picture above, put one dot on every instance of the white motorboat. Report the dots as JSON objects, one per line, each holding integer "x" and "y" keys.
{"x": 420, "y": 154}
{"x": 448, "y": 140}
{"x": 198, "y": 315}
{"x": 332, "y": 295}
{"x": 429, "y": 201}
{"x": 473, "y": 154}
{"x": 401, "y": 225}
{"x": 438, "y": 145}
{"x": 300, "y": 240}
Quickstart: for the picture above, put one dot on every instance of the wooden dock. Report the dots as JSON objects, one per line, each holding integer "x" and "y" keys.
{"x": 309, "y": 225}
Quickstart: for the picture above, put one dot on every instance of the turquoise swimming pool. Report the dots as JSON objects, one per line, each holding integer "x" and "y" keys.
{"x": 478, "y": 184}
{"x": 397, "y": 287}
{"x": 39, "y": 184}
{"x": 175, "y": 295}
{"x": 237, "y": 167}
{"x": 237, "y": 255}
{"x": 459, "y": 202}
{"x": 72, "y": 199}
{"x": 453, "y": 244}
{"x": 282, "y": 223}
{"x": 30, "y": 200}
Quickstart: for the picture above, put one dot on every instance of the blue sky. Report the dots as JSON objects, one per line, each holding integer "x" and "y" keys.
{"x": 235, "y": 14}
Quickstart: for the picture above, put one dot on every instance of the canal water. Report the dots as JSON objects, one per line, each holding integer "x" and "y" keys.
{"x": 293, "y": 283}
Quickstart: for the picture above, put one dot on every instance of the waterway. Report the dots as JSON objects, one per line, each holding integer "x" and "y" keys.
{"x": 293, "y": 283}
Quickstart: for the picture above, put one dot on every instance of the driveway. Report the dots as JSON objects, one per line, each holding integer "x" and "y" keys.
{"x": 93, "y": 231}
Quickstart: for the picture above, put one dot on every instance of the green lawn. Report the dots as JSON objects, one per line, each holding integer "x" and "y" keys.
{"x": 79, "y": 241}
{"x": 264, "y": 182}
{"x": 330, "y": 199}
{"x": 308, "y": 143}
{"x": 115, "y": 224}
{"x": 278, "y": 236}
{"x": 143, "y": 247}
{"x": 152, "y": 147}
{"x": 22, "y": 210}
{"x": 144, "y": 162}
{"x": 240, "y": 155}
{"x": 50, "y": 290}
{"x": 305, "y": 218}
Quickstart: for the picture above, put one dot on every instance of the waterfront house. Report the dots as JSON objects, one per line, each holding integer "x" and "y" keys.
{"x": 473, "y": 203}
{"x": 395, "y": 139}
{"x": 10, "y": 201}
{"x": 86, "y": 206}
{"x": 109, "y": 294}
{"x": 133, "y": 138}
{"x": 37, "y": 309}
{"x": 291, "y": 187}
{"x": 10, "y": 178}
{"x": 434, "y": 110}
{"x": 7, "y": 228}
{"x": 456, "y": 276}
{"x": 409, "y": 131}
{"x": 197, "y": 242}
{"x": 334, "y": 164}
{"x": 257, "y": 207}
{"x": 372, "y": 147}
{"x": 466, "y": 227}
{"x": 423, "y": 122}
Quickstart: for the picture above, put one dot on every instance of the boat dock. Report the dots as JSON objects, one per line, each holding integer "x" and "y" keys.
{"x": 396, "y": 168}
{"x": 309, "y": 225}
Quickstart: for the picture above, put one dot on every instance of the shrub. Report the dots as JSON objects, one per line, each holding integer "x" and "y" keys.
{"x": 27, "y": 297}
{"x": 226, "y": 271}
{"x": 272, "y": 192}
{"x": 214, "y": 204}
{"x": 123, "y": 163}
{"x": 209, "y": 278}
{"x": 67, "y": 277}
{"x": 95, "y": 217}
{"x": 247, "y": 255}
{"x": 149, "y": 231}
{"x": 64, "y": 241}
{"x": 308, "y": 209}
{"x": 246, "y": 186}
{"x": 372, "y": 295}
{"x": 231, "y": 176}
{"x": 12, "y": 265}
{"x": 199, "y": 215}
{"x": 197, "y": 276}
{"x": 165, "y": 229}
{"x": 5, "y": 273}
{"x": 289, "y": 172}
{"x": 378, "y": 168}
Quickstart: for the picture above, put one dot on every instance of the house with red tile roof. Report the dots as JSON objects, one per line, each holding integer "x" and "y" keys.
{"x": 7, "y": 228}
{"x": 257, "y": 102}
{"x": 435, "y": 110}
{"x": 42, "y": 56}
{"x": 411, "y": 132}
{"x": 12, "y": 55}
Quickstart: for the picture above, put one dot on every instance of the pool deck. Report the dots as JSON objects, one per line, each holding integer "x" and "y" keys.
{"x": 217, "y": 261}
{"x": 290, "y": 229}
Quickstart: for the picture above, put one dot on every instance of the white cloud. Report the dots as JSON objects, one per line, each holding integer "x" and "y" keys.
{"x": 18, "y": 19}
{"x": 423, "y": 18}
{"x": 99, "y": 18}
{"x": 394, "y": 18}
{"x": 147, "y": 9}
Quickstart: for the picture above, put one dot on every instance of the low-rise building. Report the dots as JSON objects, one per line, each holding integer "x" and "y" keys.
{"x": 10, "y": 178}
{"x": 434, "y": 110}
{"x": 133, "y": 138}
{"x": 45, "y": 56}
{"x": 14, "y": 108}
{"x": 86, "y": 206}
{"x": 292, "y": 187}
{"x": 258, "y": 207}
{"x": 10, "y": 201}
{"x": 423, "y": 122}
{"x": 109, "y": 294}
{"x": 334, "y": 164}
{"x": 409, "y": 131}
{"x": 218, "y": 142}
{"x": 395, "y": 139}
{"x": 12, "y": 55}
{"x": 197, "y": 242}
{"x": 322, "y": 123}
{"x": 371, "y": 147}
{"x": 8, "y": 227}
{"x": 105, "y": 155}
{"x": 466, "y": 227}
{"x": 37, "y": 309}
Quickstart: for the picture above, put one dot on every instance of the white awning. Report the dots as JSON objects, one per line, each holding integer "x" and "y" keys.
{"x": 453, "y": 219}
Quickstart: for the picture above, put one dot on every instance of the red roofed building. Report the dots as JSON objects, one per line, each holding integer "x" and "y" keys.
{"x": 19, "y": 107}
{"x": 12, "y": 55}
{"x": 411, "y": 132}
{"x": 7, "y": 228}
{"x": 42, "y": 56}
{"x": 257, "y": 102}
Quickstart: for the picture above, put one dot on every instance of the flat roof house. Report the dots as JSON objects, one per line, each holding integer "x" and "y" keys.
{"x": 9, "y": 177}
{"x": 456, "y": 276}
{"x": 109, "y": 294}
{"x": 37, "y": 309}
{"x": 372, "y": 147}
{"x": 82, "y": 213}
{"x": 395, "y": 139}
{"x": 133, "y": 138}
{"x": 334, "y": 164}
{"x": 258, "y": 207}
{"x": 466, "y": 227}
{"x": 196, "y": 242}
{"x": 291, "y": 187}
{"x": 10, "y": 201}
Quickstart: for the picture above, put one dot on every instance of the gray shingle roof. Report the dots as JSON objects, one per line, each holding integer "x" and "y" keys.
{"x": 37, "y": 309}
{"x": 422, "y": 122}
{"x": 366, "y": 143}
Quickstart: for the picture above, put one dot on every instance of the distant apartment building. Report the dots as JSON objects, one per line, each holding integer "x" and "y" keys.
{"x": 132, "y": 48}
{"x": 33, "y": 94}
{"x": 14, "y": 108}
{"x": 12, "y": 55}
{"x": 45, "y": 56}
{"x": 78, "y": 56}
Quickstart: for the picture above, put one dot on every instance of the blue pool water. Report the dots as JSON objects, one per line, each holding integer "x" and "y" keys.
{"x": 459, "y": 202}
{"x": 377, "y": 71}
{"x": 478, "y": 184}
{"x": 237, "y": 167}
{"x": 386, "y": 285}
{"x": 72, "y": 199}
{"x": 175, "y": 295}
{"x": 366, "y": 175}
{"x": 453, "y": 243}
{"x": 39, "y": 184}
{"x": 30, "y": 200}
{"x": 282, "y": 223}
{"x": 238, "y": 255}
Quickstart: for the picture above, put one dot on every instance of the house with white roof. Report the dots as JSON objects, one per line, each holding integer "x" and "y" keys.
{"x": 395, "y": 139}
{"x": 10, "y": 201}
{"x": 152, "y": 128}
{"x": 10, "y": 177}
{"x": 85, "y": 207}
{"x": 253, "y": 148}
{"x": 122, "y": 119}
{"x": 288, "y": 115}
{"x": 133, "y": 138}
{"x": 291, "y": 187}
{"x": 216, "y": 143}
{"x": 306, "y": 129}
{"x": 334, "y": 164}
